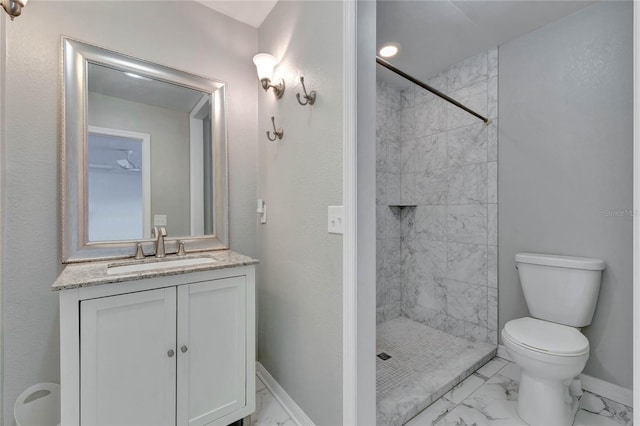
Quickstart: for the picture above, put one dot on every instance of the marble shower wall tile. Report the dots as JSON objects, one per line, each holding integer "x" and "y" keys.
{"x": 492, "y": 266}
{"x": 492, "y": 140}
{"x": 492, "y": 97}
{"x": 492, "y": 62}
{"x": 467, "y": 223}
{"x": 443, "y": 161}
{"x": 431, "y": 118}
{"x": 431, "y": 153}
{"x": 470, "y": 71}
{"x": 392, "y": 161}
{"x": 492, "y": 224}
{"x": 467, "y": 184}
{"x": 467, "y": 263}
{"x": 387, "y": 312}
{"x": 381, "y": 188}
{"x": 492, "y": 182}
{"x": 475, "y": 333}
{"x": 430, "y": 187}
{"x": 426, "y": 153}
{"x": 492, "y": 309}
{"x": 425, "y": 222}
{"x": 388, "y": 270}
{"x": 467, "y": 145}
{"x": 467, "y": 302}
{"x": 406, "y": 98}
{"x": 424, "y": 300}
{"x": 407, "y": 188}
{"x": 423, "y": 260}
{"x": 474, "y": 97}
{"x": 407, "y": 123}
{"x": 387, "y": 222}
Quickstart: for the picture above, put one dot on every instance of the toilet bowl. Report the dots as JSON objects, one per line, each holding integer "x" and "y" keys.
{"x": 550, "y": 356}
{"x": 561, "y": 294}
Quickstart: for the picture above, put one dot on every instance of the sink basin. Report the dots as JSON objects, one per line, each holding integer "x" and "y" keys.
{"x": 162, "y": 264}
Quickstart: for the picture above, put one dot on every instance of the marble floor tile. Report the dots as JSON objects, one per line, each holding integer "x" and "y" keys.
{"x": 259, "y": 384}
{"x": 604, "y": 407}
{"x": 511, "y": 371}
{"x": 432, "y": 414}
{"x": 492, "y": 367}
{"x": 464, "y": 415}
{"x": 496, "y": 401}
{"x": 268, "y": 412}
{"x": 490, "y": 397}
{"x": 585, "y": 418}
{"x": 464, "y": 389}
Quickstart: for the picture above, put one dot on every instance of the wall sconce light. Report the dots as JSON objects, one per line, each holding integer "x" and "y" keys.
{"x": 13, "y": 7}
{"x": 264, "y": 64}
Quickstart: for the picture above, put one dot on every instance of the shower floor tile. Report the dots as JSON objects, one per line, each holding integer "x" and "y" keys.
{"x": 425, "y": 364}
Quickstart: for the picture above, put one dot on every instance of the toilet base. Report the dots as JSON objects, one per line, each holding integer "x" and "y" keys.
{"x": 544, "y": 402}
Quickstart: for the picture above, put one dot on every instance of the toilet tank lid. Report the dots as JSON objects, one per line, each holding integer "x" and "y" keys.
{"x": 561, "y": 261}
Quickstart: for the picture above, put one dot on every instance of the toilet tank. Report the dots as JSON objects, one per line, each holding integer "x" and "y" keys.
{"x": 561, "y": 289}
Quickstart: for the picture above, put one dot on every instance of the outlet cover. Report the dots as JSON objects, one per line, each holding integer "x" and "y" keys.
{"x": 159, "y": 220}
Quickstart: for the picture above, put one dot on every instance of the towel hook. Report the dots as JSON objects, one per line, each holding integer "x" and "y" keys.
{"x": 310, "y": 98}
{"x": 277, "y": 133}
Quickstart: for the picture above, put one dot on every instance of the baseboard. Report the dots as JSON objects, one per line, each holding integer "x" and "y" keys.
{"x": 289, "y": 405}
{"x": 592, "y": 384}
{"x": 608, "y": 390}
{"x": 502, "y": 353}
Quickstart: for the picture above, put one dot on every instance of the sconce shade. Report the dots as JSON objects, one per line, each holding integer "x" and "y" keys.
{"x": 264, "y": 64}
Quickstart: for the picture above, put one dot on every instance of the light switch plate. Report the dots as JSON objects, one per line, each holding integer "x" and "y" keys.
{"x": 336, "y": 219}
{"x": 159, "y": 220}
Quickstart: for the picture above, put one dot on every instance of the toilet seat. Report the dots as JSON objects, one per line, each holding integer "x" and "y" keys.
{"x": 546, "y": 337}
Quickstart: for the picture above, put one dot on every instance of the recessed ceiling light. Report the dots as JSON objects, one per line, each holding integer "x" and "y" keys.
{"x": 389, "y": 50}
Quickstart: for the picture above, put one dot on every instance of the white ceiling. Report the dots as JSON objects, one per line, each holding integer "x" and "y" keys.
{"x": 252, "y": 12}
{"x": 435, "y": 34}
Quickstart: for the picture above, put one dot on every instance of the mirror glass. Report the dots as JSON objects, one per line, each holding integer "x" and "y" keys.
{"x": 144, "y": 145}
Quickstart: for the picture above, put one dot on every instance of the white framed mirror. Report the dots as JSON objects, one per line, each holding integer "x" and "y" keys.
{"x": 143, "y": 145}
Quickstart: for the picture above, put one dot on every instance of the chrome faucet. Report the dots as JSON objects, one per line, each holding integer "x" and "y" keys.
{"x": 159, "y": 236}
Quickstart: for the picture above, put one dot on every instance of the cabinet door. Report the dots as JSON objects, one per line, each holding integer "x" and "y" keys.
{"x": 127, "y": 372}
{"x": 211, "y": 350}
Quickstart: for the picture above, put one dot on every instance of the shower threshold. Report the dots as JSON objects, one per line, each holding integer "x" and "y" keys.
{"x": 423, "y": 365}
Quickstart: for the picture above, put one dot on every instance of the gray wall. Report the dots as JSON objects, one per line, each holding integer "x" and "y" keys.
{"x": 169, "y": 132}
{"x": 218, "y": 46}
{"x": 565, "y": 159}
{"x": 300, "y": 283}
{"x": 3, "y": 73}
{"x": 366, "y": 214}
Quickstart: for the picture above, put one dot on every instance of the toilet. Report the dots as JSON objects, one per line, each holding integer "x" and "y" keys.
{"x": 561, "y": 293}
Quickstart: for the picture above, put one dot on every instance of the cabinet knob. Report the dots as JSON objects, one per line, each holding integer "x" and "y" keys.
{"x": 170, "y": 353}
{"x": 184, "y": 348}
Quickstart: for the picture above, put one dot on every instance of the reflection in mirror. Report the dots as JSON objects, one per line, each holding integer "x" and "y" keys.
{"x": 144, "y": 145}
{"x": 118, "y": 185}
{"x": 176, "y": 124}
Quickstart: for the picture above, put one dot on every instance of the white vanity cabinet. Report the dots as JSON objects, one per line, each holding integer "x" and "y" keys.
{"x": 169, "y": 350}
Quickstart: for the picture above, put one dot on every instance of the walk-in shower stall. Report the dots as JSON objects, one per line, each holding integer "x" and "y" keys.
{"x": 436, "y": 231}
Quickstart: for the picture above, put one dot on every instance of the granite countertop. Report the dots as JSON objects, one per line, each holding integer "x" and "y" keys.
{"x": 87, "y": 274}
